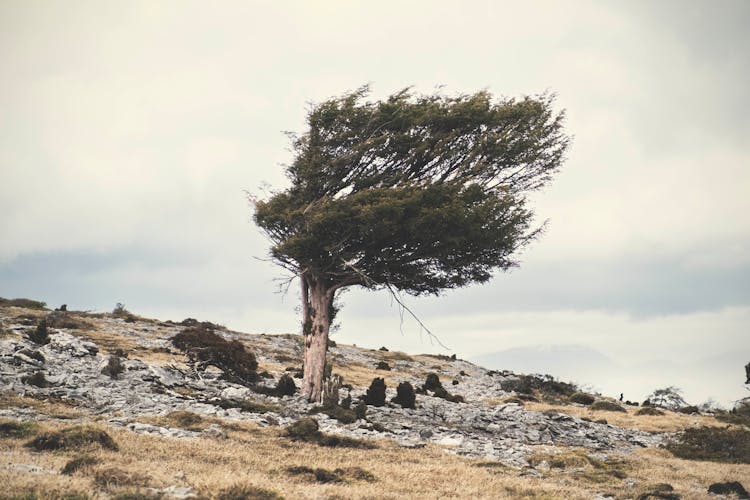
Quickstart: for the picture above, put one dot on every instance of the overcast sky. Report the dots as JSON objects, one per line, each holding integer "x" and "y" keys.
{"x": 130, "y": 130}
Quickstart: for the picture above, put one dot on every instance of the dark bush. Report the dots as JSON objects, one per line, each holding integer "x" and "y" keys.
{"x": 343, "y": 415}
{"x": 247, "y": 492}
{"x": 113, "y": 368}
{"x": 376, "y": 393}
{"x": 739, "y": 415}
{"x": 432, "y": 383}
{"x": 729, "y": 488}
{"x": 17, "y": 430}
{"x": 319, "y": 475}
{"x": 405, "y": 395}
{"x": 286, "y": 386}
{"x": 204, "y": 347}
{"x": 689, "y": 410}
{"x": 72, "y": 438}
{"x": 714, "y": 444}
{"x": 40, "y": 335}
{"x": 605, "y": 405}
{"x": 650, "y": 410}
{"x": 78, "y": 463}
{"x": 545, "y": 385}
{"x": 382, "y": 365}
{"x": 25, "y": 303}
{"x": 360, "y": 411}
{"x": 243, "y": 405}
{"x": 384, "y": 349}
{"x": 63, "y": 319}
{"x": 581, "y": 398}
{"x": 306, "y": 429}
{"x": 37, "y": 380}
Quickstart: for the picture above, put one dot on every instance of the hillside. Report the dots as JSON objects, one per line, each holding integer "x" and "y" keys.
{"x": 109, "y": 406}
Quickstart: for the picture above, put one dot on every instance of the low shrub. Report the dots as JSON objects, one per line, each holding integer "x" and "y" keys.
{"x": 40, "y": 335}
{"x": 713, "y": 444}
{"x": 581, "y": 398}
{"x": 343, "y": 415}
{"x": 247, "y": 492}
{"x": 114, "y": 476}
{"x": 604, "y": 405}
{"x": 113, "y": 368}
{"x": 375, "y": 395}
{"x": 78, "y": 463}
{"x": 243, "y": 405}
{"x": 63, "y": 319}
{"x": 405, "y": 395}
{"x": 286, "y": 386}
{"x": 72, "y": 438}
{"x": 25, "y": 303}
{"x": 306, "y": 429}
{"x": 335, "y": 476}
{"x": 545, "y": 385}
{"x": 650, "y": 410}
{"x": 37, "y": 379}
{"x": 17, "y": 430}
{"x": 729, "y": 488}
{"x": 689, "y": 410}
{"x": 382, "y": 365}
{"x": 205, "y": 348}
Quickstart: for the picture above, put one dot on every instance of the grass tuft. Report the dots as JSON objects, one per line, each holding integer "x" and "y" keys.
{"x": 17, "y": 430}
{"x": 72, "y": 438}
{"x": 247, "y": 492}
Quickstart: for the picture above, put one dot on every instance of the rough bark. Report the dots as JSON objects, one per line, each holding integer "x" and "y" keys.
{"x": 316, "y": 307}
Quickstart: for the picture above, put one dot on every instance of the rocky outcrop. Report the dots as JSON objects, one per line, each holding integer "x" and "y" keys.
{"x": 73, "y": 369}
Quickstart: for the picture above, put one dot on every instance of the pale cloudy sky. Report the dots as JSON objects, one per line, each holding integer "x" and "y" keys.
{"x": 129, "y": 130}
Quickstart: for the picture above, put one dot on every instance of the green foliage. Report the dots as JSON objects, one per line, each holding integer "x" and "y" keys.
{"x": 419, "y": 193}
{"x": 714, "y": 444}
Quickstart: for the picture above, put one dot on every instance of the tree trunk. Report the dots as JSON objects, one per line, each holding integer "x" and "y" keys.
{"x": 316, "y": 323}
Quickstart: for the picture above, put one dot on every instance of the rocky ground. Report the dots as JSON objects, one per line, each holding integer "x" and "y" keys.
{"x": 157, "y": 380}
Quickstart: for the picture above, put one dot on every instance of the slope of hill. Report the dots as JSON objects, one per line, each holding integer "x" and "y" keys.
{"x": 177, "y": 426}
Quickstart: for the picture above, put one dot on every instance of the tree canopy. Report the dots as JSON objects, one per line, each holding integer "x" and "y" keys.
{"x": 419, "y": 193}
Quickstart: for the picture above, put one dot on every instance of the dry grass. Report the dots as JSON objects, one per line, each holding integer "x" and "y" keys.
{"x": 669, "y": 422}
{"x": 52, "y": 407}
{"x": 260, "y": 457}
{"x": 361, "y": 375}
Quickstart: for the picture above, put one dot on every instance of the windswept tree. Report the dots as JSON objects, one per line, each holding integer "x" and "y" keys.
{"x": 413, "y": 194}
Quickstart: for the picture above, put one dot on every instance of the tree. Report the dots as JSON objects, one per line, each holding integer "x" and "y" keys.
{"x": 669, "y": 397}
{"x": 413, "y": 194}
